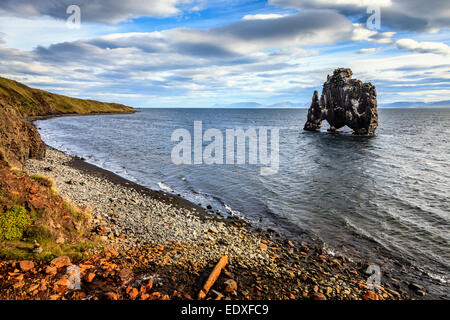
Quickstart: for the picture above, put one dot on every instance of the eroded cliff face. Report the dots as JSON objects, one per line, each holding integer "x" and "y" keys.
{"x": 19, "y": 140}
{"x": 344, "y": 102}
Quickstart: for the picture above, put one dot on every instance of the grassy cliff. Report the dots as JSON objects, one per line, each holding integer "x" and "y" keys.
{"x": 34, "y": 102}
{"x": 19, "y": 140}
{"x": 30, "y": 209}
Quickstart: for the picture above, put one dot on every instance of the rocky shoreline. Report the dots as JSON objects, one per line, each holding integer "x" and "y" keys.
{"x": 158, "y": 236}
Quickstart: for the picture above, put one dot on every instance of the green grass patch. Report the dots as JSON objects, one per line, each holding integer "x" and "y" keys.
{"x": 20, "y": 250}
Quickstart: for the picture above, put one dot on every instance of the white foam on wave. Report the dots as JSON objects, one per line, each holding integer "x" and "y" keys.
{"x": 334, "y": 252}
{"x": 199, "y": 197}
{"x": 231, "y": 211}
{"x": 442, "y": 279}
{"x": 165, "y": 187}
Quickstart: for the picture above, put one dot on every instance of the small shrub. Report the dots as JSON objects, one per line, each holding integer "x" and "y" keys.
{"x": 38, "y": 233}
{"x": 46, "y": 182}
{"x": 13, "y": 223}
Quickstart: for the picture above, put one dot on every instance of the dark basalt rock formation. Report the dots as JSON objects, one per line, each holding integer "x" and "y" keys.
{"x": 344, "y": 102}
{"x": 314, "y": 114}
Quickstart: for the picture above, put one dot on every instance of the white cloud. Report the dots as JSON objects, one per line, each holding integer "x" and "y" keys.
{"x": 236, "y": 39}
{"x": 256, "y": 58}
{"x": 194, "y": 65}
{"x": 411, "y": 15}
{"x": 330, "y": 3}
{"x": 367, "y": 50}
{"x": 361, "y": 33}
{"x": 26, "y": 34}
{"x": 383, "y": 38}
{"x": 426, "y": 96}
{"x": 263, "y": 16}
{"x": 400, "y": 67}
{"x": 414, "y": 76}
{"x": 309, "y": 27}
{"x": 423, "y": 47}
{"x": 293, "y": 53}
{"x": 97, "y": 11}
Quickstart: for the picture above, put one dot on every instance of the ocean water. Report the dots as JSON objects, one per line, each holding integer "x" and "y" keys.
{"x": 382, "y": 199}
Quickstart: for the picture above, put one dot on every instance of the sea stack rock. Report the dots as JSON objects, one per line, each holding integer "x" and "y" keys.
{"x": 314, "y": 114}
{"x": 344, "y": 102}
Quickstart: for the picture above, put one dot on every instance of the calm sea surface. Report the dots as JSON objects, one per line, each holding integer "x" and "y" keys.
{"x": 383, "y": 200}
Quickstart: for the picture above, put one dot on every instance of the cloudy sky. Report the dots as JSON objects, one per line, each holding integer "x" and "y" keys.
{"x": 201, "y": 53}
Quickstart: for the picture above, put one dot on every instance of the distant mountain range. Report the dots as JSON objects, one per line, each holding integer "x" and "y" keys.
{"x": 280, "y": 105}
{"x": 290, "y": 105}
{"x": 438, "y": 104}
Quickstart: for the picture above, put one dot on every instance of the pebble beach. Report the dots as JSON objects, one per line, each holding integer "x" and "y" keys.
{"x": 136, "y": 221}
